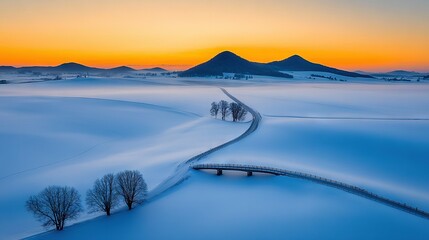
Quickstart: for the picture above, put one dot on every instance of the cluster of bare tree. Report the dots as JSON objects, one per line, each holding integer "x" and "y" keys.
{"x": 236, "y": 110}
{"x": 54, "y": 205}
{"x": 104, "y": 195}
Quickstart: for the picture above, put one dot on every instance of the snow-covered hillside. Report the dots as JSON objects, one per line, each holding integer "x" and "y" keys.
{"x": 70, "y": 133}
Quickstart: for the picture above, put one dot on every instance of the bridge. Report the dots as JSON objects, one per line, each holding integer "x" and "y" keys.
{"x": 250, "y": 169}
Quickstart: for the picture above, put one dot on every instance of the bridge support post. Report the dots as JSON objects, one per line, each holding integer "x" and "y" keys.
{"x": 219, "y": 172}
{"x": 249, "y": 174}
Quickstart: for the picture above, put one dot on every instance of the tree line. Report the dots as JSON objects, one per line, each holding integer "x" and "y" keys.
{"x": 56, "y": 204}
{"x": 224, "y": 109}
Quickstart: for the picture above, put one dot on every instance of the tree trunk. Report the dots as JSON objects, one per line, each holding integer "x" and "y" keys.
{"x": 60, "y": 225}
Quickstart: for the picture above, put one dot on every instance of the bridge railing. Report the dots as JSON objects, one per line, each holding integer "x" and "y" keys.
{"x": 334, "y": 183}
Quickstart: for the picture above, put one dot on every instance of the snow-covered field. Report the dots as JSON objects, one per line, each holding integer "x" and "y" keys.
{"x": 72, "y": 132}
{"x": 367, "y": 133}
{"x": 374, "y": 136}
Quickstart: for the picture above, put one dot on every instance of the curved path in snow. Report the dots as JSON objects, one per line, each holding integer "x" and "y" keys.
{"x": 325, "y": 181}
{"x": 181, "y": 171}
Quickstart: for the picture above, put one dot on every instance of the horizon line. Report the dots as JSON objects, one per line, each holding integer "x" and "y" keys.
{"x": 182, "y": 67}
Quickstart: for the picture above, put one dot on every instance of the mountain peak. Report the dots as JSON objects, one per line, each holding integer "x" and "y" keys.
{"x": 121, "y": 69}
{"x": 298, "y": 63}
{"x": 71, "y": 64}
{"x": 229, "y": 62}
{"x": 227, "y": 55}
{"x": 73, "y": 67}
{"x": 296, "y": 59}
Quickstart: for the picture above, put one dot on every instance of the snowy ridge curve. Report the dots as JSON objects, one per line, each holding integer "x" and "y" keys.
{"x": 182, "y": 169}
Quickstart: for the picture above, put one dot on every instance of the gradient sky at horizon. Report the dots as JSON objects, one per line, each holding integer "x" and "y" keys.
{"x": 354, "y": 35}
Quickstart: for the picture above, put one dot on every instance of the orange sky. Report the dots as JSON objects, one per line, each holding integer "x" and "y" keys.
{"x": 354, "y": 35}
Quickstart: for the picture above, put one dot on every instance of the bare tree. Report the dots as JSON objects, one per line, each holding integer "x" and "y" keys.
{"x": 238, "y": 112}
{"x": 131, "y": 186}
{"x": 215, "y": 109}
{"x": 224, "y": 109}
{"x": 54, "y": 205}
{"x": 241, "y": 116}
{"x": 102, "y": 197}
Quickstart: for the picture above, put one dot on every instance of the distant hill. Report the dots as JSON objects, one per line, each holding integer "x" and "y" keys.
{"x": 7, "y": 68}
{"x": 155, "y": 69}
{"x": 228, "y": 62}
{"x": 404, "y": 73}
{"x": 74, "y": 67}
{"x": 297, "y": 63}
{"x": 63, "y": 68}
{"x": 398, "y": 73}
{"x": 122, "y": 69}
{"x": 68, "y": 68}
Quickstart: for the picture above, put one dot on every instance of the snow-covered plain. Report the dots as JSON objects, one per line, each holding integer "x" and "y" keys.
{"x": 373, "y": 136}
{"x": 367, "y": 133}
{"x": 72, "y": 132}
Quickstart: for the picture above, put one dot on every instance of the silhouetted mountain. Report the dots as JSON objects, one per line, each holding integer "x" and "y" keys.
{"x": 74, "y": 67}
{"x": 33, "y": 69}
{"x": 403, "y": 72}
{"x": 397, "y": 73}
{"x": 7, "y": 68}
{"x": 63, "y": 68}
{"x": 297, "y": 63}
{"x": 155, "y": 69}
{"x": 228, "y": 62}
{"x": 68, "y": 68}
{"x": 122, "y": 69}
